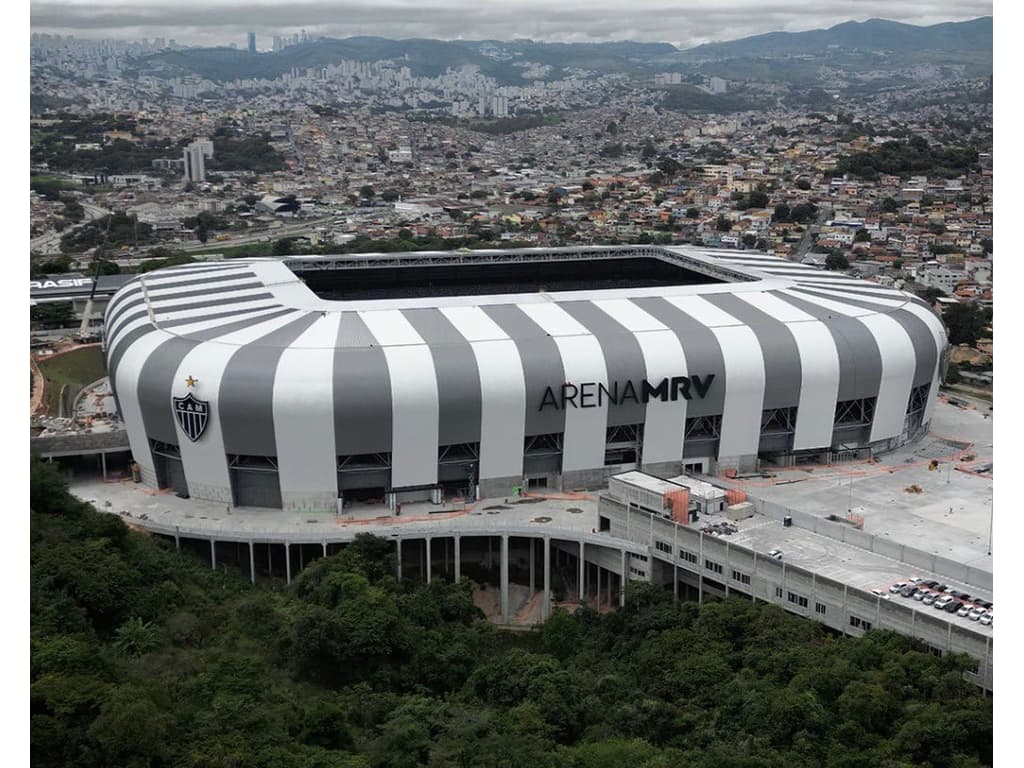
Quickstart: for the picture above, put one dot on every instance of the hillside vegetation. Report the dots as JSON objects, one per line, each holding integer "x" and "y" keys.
{"x": 144, "y": 657}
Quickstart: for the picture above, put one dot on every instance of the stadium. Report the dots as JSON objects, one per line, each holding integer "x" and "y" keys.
{"x": 303, "y": 382}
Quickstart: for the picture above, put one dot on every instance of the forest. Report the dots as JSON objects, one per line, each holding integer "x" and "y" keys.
{"x": 143, "y": 656}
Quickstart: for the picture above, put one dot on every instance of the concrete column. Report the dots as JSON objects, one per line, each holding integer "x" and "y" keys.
{"x": 270, "y": 559}
{"x": 458, "y": 558}
{"x": 177, "y": 538}
{"x": 700, "y": 570}
{"x": 504, "y": 578}
{"x": 103, "y": 462}
{"x": 625, "y": 578}
{"x": 546, "y": 606}
{"x": 324, "y": 545}
{"x": 583, "y": 573}
{"x": 427, "y": 547}
{"x": 599, "y": 587}
{"x": 287, "y": 563}
{"x": 532, "y": 547}
{"x": 398, "y": 546}
{"x": 252, "y": 564}
{"x": 446, "y": 557}
{"x": 675, "y": 563}
{"x": 213, "y": 554}
{"x": 302, "y": 561}
{"x": 424, "y": 571}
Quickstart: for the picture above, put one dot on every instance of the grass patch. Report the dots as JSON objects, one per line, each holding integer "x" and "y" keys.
{"x": 76, "y": 368}
{"x": 237, "y": 251}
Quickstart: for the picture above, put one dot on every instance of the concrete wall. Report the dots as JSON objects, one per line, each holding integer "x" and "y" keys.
{"x": 773, "y": 581}
{"x": 927, "y": 561}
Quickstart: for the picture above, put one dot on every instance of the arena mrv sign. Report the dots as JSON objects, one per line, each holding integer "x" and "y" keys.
{"x": 594, "y": 394}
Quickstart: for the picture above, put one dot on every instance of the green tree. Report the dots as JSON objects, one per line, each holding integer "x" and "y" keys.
{"x": 136, "y": 637}
{"x": 965, "y": 323}
{"x": 723, "y": 224}
{"x": 836, "y": 261}
{"x": 757, "y": 200}
{"x": 781, "y": 213}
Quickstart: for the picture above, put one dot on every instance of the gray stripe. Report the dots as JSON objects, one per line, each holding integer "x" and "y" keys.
{"x": 702, "y": 351}
{"x": 458, "y": 379}
{"x": 206, "y": 334}
{"x": 212, "y": 303}
{"x": 782, "y": 363}
{"x": 205, "y": 280}
{"x": 219, "y": 315}
{"x": 113, "y": 312}
{"x": 860, "y": 362}
{"x": 115, "y": 330}
{"x": 362, "y": 393}
{"x": 246, "y": 393}
{"x": 920, "y": 335}
{"x": 252, "y": 285}
{"x": 622, "y": 356}
{"x": 114, "y": 356}
{"x": 887, "y": 294}
{"x": 542, "y": 366}
{"x": 154, "y": 388}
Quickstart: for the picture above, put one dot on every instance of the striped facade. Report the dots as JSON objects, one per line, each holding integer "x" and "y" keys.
{"x": 311, "y": 399}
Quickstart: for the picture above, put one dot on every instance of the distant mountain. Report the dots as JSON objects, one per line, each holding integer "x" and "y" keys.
{"x": 871, "y": 35}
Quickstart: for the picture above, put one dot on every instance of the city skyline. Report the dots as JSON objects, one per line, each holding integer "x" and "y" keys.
{"x": 226, "y": 22}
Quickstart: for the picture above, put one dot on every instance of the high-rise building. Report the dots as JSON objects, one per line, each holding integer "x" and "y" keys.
{"x": 195, "y": 163}
{"x": 252, "y": 42}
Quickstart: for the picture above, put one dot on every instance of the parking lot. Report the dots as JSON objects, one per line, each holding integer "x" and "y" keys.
{"x": 945, "y": 510}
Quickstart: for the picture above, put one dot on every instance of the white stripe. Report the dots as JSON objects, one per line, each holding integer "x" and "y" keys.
{"x": 502, "y": 392}
{"x": 664, "y": 421}
{"x": 703, "y": 311}
{"x": 225, "y": 286}
{"x": 819, "y": 370}
{"x": 204, "y": 461}
{"x": 744, "y": 392}
{"x": 414, "y": 398}
{"x": 583, "y": 362}
{"x": 180, "y": 304}
{"x": 164, "y": 316}
{"x": 879, "y": 300}
{"x": 898, "y": 363}
{"x": 255, "y": 314}
{"x": 847, "y": 310}
{"x": 159, "y": 278}
{"x": 939, "y": 334}
{"x": 303, "y": 404}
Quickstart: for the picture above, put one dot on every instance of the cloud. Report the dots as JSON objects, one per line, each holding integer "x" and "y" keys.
{"x": 692, "y": 23}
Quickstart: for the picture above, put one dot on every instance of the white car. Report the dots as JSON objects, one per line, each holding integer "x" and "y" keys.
{"x": 897, "y": 586}
{"x": 965, "y": 610}
{"x": 942, "y": 602}
{"x": 880, "y": 593}
{"x": 976, "y": 613}
{"x": 986, "y": 619}
{"x": 776, "y": 554}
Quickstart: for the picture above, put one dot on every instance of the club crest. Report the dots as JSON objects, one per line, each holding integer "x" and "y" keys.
{"x": 192, "y": 415}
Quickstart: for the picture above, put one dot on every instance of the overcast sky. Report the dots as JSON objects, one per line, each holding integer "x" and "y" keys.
{"x": 688, "y": 23}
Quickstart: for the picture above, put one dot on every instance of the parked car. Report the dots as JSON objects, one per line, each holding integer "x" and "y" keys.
{"x": 941, "y": 588}
{"x": 897, "y": 586}
{"x": 908, "y": 591}
{"x": 942, "y": 602}
{"x": 930, "y": 598}
{"x": 776, "y": 554}
{"x": 965, "y": 609}
{"x": 986, "y": 618}
{"x": 915, "y": 580}
{"x": 953, "y": 592}
{"x": 976, "y": 613}
{"x": 952, "y": 607}
{"x": 880, "y": 593}
{"x": 921, "y": 595}
{"x": 964, "y": 596}
{"x": 931, "y": 584}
